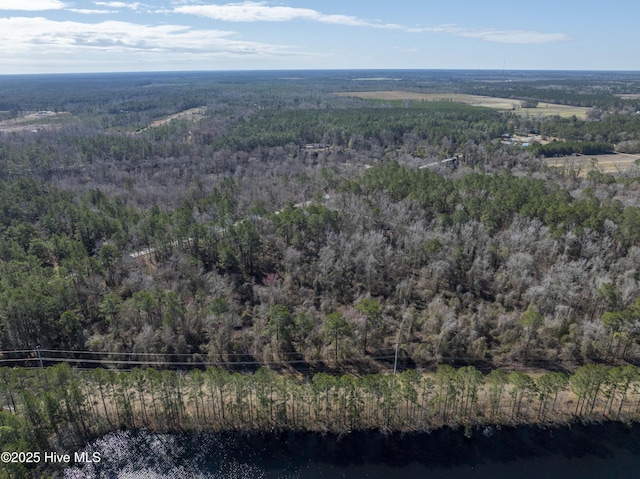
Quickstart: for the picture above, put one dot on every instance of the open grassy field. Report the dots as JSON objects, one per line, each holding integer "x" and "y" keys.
{"x": 629, "y": 96}
{"x": 611, "y": 163}
{"x": 504, "y": 104}
{"x": 192, "y": 114}
{"x": 34, "y": 121}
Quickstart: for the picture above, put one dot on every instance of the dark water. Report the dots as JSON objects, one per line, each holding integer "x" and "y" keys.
{"x": 585, "y": 452}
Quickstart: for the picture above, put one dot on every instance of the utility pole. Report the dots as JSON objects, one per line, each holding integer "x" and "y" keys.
{"x": 395, "y": 362}
{"x": 39, "y": 356}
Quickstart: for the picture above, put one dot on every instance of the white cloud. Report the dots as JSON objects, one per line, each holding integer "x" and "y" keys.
{"x": 131, "y": 6}
{"x": 37, "y": 36}
{"x": 86, "y": 11}
{"x": 250, "y": 11}
{"x": 502, "y": 36}
{"x": 260, "y": 12}
{"x": 31, "y": 5}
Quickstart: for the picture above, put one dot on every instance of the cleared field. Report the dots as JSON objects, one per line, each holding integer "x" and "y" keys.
{"x": 192, "y": 114}
{"x": 34, "y": 121}
{"x": 504, "y": 104}
{"x": 629, "y": 96}
{"x": 552, "y": 109}
{"x": 612, "y": 163}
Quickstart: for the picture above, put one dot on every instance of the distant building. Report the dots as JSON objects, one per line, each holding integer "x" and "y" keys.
{"x": 315, "y": 146}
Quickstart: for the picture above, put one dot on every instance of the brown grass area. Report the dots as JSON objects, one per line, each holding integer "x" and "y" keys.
{"x": 192, "y": 114}
{"x": 33, "y": 121}
{"x": 611, "y": 163}
{"x": 504, "y": 104}
{"x": 302, "y": 414}
{"x": 552, "y": 109}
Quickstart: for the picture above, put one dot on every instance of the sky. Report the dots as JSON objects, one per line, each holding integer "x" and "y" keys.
{"x": 72, "y": 36}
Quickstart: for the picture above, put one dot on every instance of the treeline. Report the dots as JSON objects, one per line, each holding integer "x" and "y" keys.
{"x": 130, "y": 101}
{"x": 566, "y": 148}
{"x": 561, "y": 91}
{"x": 126, "y": 101}
{"x": 483, "y": 268}
{"x": 614, "y": 128}
{"x": 189, "y": 247}
{"x": 493, "y": 200}
{"x": 229, "y": 137}
{"x": 60, "y": 408}
{"x": 359, "y": 127}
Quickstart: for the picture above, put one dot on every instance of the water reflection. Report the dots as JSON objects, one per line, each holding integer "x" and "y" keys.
{"x": 611, "y": 450}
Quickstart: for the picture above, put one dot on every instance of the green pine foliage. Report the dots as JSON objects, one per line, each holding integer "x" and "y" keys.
{"x": 58, "y": 408}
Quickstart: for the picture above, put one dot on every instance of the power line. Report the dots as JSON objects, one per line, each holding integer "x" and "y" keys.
{"x": 17, "y": 351}
{"x": 180, "y": 363}
{"x": 119, "y": 353}
{"x": 110, "y": 353}
{"x": 160, "y": 363}
{"x": 90, "y": 360}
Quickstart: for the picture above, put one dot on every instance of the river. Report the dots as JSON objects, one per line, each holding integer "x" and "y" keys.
{"x": 585, "y": 452}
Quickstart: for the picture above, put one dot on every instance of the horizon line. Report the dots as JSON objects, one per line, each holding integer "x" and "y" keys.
{"x": 312, "y": 70}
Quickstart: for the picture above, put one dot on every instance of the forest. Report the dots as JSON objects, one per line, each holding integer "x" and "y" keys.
{"x": 230, "y": 241}
{"x": 62, "y": 408}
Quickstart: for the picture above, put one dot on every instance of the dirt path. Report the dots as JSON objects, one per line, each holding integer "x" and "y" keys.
{"x": 192, "y": 114}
